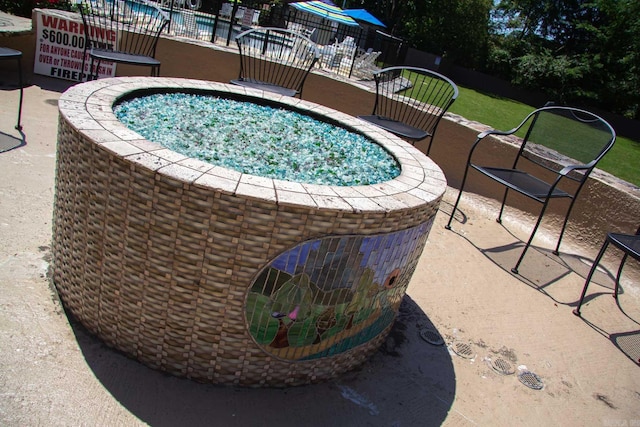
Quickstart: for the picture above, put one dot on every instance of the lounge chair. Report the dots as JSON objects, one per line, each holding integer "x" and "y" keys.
{"x": 364, "y": 66}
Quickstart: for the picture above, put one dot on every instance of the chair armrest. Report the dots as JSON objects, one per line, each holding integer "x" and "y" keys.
{"x": 496, "y": 132}
{"x": 567, "y": 169}
{"x": 483, "y": 135}
{"x": 486, "y": 133}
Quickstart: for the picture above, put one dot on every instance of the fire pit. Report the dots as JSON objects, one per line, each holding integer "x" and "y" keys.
{"x": 222, "y": 276}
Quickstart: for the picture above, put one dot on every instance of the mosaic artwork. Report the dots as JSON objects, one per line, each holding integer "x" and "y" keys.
{"x": 329, "y": 295}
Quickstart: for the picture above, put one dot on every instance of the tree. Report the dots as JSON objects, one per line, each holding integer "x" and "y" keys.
{"x": 577, "y": 51}
{"x": 388, "y": 11}
{"x": 456, "y": 29}
{"x": 547, "y": 19}
{"x": 618, "y": 56}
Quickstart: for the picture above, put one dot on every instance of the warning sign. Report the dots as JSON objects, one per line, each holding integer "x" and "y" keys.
{"x": 60, "y": 48}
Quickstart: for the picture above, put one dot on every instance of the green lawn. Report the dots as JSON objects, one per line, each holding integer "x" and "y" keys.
{"x": 504, "y": 114}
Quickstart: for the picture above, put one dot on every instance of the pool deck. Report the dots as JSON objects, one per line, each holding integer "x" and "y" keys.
{"x": 53, "y": 373}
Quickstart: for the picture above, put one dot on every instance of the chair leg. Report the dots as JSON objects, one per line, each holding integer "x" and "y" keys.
{"x": 97, "y": 73}
{"x": 576, "y": 311}
{"x": 90, "y": 76}
{"x": 455, "y": 206}
{"x": 531, "y": 236}
{"x": 19, "y": 125}
{"x": 82, "y": 72}
{"x": 564, "y": 225}
{"x": 504, "y": 200}
{"x": 453, "y": 211}
{"x": 428, "y": 147}
{"x": 615, "y": 290}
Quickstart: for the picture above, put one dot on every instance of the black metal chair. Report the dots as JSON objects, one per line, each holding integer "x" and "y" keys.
{"x": 629, "y": 244}
{"x": 12, "y": 54}
{"x": 411, "y": 101}
{"x": 122, "y": 32}
{"x": 577, "y": 139}
{"x": 275, "y": 60}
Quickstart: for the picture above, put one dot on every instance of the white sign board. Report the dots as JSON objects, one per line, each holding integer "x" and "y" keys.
{"x": 247, "y": 17}
{"x": 60, "y": 48}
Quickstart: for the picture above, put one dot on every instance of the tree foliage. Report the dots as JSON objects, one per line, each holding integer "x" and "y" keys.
{"x": 582, "y": 52}
{"x": 455, "y": 29}
{"x": 577, "y": 51}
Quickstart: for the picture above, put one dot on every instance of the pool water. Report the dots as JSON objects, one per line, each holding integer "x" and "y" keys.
{"x": 258, "y": 140}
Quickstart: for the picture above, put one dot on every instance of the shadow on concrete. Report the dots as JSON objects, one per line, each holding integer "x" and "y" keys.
{"x": 9, "y": 82}
{"x": 10, "y": 142}
{"x": 51, "y": 84}
{"x": 544, "y": 271}
{"x": 628, "y": 343}
{"x": 446, "y": 208}
{"x": 540, "y": 269}
{"x": 407, "y": 382}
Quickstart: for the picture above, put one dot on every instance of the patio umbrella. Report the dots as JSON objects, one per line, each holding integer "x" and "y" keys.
{"x": 363, "y": 15}
{"x": 326, "y": 10}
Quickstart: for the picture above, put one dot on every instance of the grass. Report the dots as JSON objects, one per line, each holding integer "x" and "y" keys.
{"x": 504, "y": 114}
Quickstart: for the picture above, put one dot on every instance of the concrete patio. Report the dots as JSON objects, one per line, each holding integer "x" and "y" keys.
{"x": 53, "y": 373}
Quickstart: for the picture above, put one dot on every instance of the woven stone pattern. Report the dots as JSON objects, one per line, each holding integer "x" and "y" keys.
{"x": 154, "y": 253}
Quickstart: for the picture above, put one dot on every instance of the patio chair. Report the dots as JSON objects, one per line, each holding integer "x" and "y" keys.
{"x": 122, "y": 32}
{"x": 364, "y": 66}
{"x": 8, "y": 54}
{"x": 275, "y": 60}
{"x": 629, "y": 244}
{"x": 411, "y": 101}
{"x": 576, "y": 139}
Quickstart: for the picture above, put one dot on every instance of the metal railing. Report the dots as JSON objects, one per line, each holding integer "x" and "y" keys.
{"x": 341, "y": 47}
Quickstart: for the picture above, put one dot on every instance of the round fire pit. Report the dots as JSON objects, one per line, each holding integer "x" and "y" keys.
{"x": 221, "y": 276}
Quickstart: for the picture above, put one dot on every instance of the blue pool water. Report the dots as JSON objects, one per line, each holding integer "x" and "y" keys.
{"x": 258, "y": 140}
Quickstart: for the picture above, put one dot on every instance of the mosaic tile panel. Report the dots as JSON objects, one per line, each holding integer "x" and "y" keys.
{"x": 329, "y": 295}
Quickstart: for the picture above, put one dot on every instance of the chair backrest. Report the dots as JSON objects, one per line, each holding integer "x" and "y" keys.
{"x": 415, "y": 96}
{"x": 131, "y": 26}
{"x": 366, "y": 59}
{"x": 276, "y": 56}
{"x": 577, "y": 138}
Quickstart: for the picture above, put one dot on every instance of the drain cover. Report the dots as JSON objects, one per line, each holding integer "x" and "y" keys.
{"x": 431, "y": 336}
{"x": 503, "y": 367}
{"x": 463, "y": 349}
{"x": 531, "y": 380}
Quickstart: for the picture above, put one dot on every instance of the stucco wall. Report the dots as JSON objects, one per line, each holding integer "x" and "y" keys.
{"x": 606, "y": 204}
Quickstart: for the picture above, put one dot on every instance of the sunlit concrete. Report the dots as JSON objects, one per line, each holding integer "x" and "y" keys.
{"x": 53, "y": 373}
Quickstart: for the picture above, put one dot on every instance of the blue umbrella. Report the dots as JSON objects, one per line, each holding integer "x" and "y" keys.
{"x": 327, "y": 11}
{"x": 363, "y": 15}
